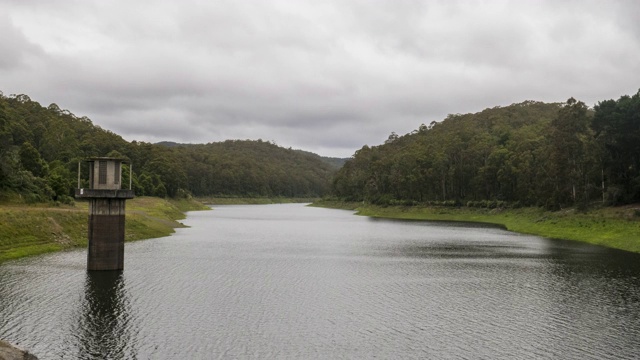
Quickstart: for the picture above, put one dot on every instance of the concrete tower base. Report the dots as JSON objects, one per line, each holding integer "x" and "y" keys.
{"x": 106, "y": 234}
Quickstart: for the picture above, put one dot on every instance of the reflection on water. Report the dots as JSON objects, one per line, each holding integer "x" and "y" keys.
{"x": 285, "y": 281}
{"x": 104, "y": 324}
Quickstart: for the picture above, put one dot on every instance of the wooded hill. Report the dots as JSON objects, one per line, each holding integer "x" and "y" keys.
{"x": 529, "y": 154}
{"x": 40, "y": 148}
{"x": 532, "y": 153}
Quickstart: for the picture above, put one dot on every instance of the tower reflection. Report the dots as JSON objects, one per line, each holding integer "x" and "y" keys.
{"x": 104, "y": 330}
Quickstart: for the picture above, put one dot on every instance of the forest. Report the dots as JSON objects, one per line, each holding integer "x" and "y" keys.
{"x": 551, "y": 155}
{"x": 527, "y": 154}
{"x": 40, "y": 148}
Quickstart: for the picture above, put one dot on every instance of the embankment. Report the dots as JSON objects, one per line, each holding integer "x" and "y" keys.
{"x": 615, "y": 227}
{"x": 35, "y": 229}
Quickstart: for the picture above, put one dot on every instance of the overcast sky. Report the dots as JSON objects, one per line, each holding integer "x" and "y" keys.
{"x": 323, "y": 76}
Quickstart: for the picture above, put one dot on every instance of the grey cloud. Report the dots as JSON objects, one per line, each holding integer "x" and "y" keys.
{"x": 16, "y": 50}
{"x": 322, "y": 76}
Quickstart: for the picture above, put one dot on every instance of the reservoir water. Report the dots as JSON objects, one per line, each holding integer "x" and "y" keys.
{"x": 296, "y": 282}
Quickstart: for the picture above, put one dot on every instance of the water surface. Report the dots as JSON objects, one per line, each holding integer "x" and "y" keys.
{"x": 289, "y": 281}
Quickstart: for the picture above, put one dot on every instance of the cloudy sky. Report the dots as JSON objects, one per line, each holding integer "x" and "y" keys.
{"x": 323, "y": 76}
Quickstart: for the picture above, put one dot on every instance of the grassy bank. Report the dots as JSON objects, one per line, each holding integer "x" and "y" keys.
{"x": 35, "y": 229}
{"x": 615, "y": 227}
{"x": 253, "y": 201}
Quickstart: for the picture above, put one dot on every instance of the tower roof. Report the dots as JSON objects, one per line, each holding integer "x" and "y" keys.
{"x": 104, "y": 158}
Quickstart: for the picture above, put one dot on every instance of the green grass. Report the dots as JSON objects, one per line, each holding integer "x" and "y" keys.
{"x": 617, "y": 227}
{"x": 185, "y": 205}
{"x": 150, "y": 217}
{"x": 29, "y": 250}
{"x": 30, "y": 230}
{"x": 27, "y": 230}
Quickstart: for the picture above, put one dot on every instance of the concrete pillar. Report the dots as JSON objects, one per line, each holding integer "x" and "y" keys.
{"x": 106, "y": 234}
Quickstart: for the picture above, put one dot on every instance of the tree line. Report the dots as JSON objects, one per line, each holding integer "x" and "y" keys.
{"x": 526, "y": 154}
{"x": 40, "y": 148}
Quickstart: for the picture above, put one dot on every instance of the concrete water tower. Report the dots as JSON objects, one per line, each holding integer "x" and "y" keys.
{"x": 106, "y": 212}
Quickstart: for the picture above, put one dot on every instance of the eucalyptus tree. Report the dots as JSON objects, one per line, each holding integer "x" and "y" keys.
{"x": 617, "y": 130}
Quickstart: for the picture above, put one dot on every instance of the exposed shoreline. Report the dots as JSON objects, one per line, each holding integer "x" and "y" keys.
{"x": 42, "y": 228}
{"x": 614, "y": 227}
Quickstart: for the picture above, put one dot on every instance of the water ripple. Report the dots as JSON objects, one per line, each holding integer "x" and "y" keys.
{"x": 293, "y": 282}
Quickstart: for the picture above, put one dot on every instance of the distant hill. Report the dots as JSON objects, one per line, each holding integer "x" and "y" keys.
{"x": 333, "y": 161}
{"x": 252, "y": 168}
{"x": 169, "y": 144}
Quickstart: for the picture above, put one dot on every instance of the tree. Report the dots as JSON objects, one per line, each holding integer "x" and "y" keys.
{"x": 570, "y": 138}
{"x": 617, "y": 130}
{"x": 60, "y": 186}
{"x": 32, "y": 161}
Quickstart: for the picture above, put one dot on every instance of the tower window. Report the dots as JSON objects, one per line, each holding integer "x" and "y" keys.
{"x": 102, "y": 172}
{"x": 116, "y": 173}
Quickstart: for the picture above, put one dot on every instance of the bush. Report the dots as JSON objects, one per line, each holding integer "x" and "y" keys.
{"x": 183, "y": 194}
{"x": 614, "y": 196}
{"x": 68, "y": 200}
{"x": 516, "y": 205}
{"x": 32, "y": 198}
{"x": 383, "y": 200}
